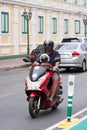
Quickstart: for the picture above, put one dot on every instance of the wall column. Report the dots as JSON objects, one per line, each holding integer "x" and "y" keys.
{"x": 33, "y": 33}
{"x": 16, "y": 45}
{"x": 48, "y": 30}
{"x": 60, "y": 26}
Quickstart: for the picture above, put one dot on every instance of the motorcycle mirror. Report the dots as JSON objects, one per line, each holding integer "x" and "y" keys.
{"x": 27, "y": 59}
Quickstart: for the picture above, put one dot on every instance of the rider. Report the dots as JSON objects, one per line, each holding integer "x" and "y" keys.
{"x": 54, "y": 60}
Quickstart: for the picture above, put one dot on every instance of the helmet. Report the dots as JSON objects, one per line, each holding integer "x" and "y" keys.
{"x": 44, "y": 58}
{"x": 48, "y": 45}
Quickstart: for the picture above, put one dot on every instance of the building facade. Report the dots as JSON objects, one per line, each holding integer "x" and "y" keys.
{"x": 53, "y": 19}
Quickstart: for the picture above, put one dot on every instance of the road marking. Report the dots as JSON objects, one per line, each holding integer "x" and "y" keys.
{"x": 76, "y": 114}
{"x": 6, "y": 95}
{"x": 67, "y": 123}
{"x": 81, "y": 125}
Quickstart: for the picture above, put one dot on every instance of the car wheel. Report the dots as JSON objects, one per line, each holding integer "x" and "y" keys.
{"x": 83, "y": 66}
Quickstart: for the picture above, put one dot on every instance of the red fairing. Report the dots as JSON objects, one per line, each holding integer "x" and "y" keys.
{"x": 47, "y": 77}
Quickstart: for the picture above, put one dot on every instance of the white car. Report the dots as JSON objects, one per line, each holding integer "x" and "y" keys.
{"x": 73, "y": 55}
{"x": 74, "y": 39}
{"x": 83, "y": 40}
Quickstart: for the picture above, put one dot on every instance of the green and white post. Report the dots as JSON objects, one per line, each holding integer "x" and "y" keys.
{"x": 71, "y": 79}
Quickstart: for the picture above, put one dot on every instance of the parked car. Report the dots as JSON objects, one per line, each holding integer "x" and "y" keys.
{"x": 73, "y": 39}
{"x": 73, "y": 55}
{"x": 83, "y": 40}
{"x": 37, "y": 51}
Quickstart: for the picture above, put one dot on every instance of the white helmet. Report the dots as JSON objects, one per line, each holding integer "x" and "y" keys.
{"x": 44, "y": 58}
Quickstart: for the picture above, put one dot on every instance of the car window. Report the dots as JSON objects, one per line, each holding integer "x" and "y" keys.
{"x": 85, "y": 40}
{"x": 58, "y": 46}
{"x": 40, "y": 47}
{"x": 80, "y": 39}
{"x": 70, "y": 40}
{"x": 83, "y": 47}
{"x": 68, "y": 47}
{"x": 86, "y": 46}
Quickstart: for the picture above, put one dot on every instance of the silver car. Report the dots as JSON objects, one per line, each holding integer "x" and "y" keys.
{"x": 73, "y": 55}
{"x": 83, "y": 40}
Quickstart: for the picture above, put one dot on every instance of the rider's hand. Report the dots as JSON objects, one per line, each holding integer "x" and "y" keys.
{"x": 35, "y": 63}
{"x": 55, "y": 68}
{"x": 30, "y": 67}
{"x": 46, "y": 64}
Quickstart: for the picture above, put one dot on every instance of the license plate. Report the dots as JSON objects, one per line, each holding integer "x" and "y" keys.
{"x": 64, "y": 56}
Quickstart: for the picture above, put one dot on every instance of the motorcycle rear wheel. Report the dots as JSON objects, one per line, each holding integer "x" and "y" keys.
{"x": 33, "y": 109}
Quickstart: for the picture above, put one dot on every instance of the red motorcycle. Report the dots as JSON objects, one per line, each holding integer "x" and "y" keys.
{"x": 38, "y": 89}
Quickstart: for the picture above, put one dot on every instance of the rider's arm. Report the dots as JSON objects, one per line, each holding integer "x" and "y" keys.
{"x": 35, "y": 63}
{"x": 55, "y": 67}
{"x": 57, "y": 61}
{"x": 46, "y": 64}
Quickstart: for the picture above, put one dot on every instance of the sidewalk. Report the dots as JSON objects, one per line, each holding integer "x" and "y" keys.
{"x": 12, "y": 64}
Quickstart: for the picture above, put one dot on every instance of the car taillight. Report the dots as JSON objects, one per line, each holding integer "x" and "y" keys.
{"x": 32, "y": 54}
{"x": 75, "y": 54}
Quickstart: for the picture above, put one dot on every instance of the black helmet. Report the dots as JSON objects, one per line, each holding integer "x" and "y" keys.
{"x": 48, "y": 45}
{"x": 44, "y": 58}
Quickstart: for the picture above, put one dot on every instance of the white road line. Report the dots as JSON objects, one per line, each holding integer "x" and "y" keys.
{"x": 78, "y": 113}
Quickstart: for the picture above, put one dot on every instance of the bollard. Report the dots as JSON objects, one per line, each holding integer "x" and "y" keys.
{"x": 70, "y": 96}
{"x": 69, "y": 122}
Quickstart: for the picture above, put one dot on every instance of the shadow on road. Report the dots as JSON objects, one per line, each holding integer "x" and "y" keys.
{"x": 71, "y": 71}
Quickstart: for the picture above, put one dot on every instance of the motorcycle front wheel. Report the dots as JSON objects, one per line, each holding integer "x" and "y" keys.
{"x": 33, "y": 107}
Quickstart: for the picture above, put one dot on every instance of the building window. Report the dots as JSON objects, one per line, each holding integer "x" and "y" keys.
{"x": 66, "y": 26}
{"x": 40, "y": 1}
{"x": 77, "y": 26}
{"x": 24, "y": 25}
{"x": 4, "y": 22}
{"x": 86, "y": 28}
{"x": 75, "y": 1}
{"x": 40, "y": 24}
{"x": 54, "y": 25}
{"x": 85, "y": 2}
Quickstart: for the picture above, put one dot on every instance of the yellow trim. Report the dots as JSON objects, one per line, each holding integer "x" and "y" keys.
{"x": 67, "y": 124}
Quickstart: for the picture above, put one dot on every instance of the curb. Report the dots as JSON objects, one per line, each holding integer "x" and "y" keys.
{"x": 14, "y": 67}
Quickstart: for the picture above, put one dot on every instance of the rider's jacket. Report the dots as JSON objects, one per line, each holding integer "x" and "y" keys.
{"x": 54, "y": 55}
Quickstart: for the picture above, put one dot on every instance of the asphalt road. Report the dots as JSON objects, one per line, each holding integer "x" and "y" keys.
{"x": 14, "y": 107}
